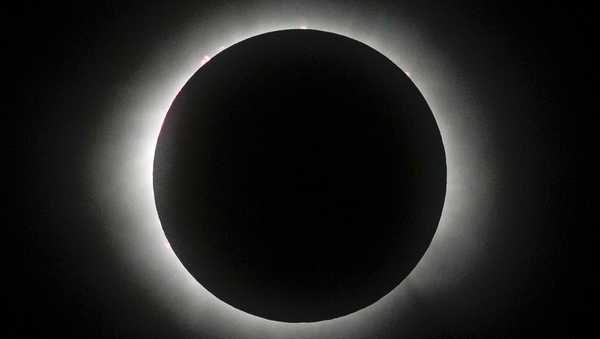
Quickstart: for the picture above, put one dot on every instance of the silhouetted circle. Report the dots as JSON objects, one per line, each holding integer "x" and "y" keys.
{"x": 299, "y": 175}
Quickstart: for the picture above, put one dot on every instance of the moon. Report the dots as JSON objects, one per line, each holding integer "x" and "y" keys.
{"x": 299, "y": 175}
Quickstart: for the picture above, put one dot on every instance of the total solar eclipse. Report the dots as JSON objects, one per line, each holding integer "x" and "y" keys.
{"x": 299, "y": 175}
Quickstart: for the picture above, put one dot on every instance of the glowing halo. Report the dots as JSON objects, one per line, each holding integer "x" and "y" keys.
{"x": 124, "y": 161}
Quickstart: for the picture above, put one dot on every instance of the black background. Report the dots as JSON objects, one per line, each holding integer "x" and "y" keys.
{"x": 65, "y": 64}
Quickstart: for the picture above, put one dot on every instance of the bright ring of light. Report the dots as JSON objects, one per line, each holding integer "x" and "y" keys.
{"x": 123, "y": 176}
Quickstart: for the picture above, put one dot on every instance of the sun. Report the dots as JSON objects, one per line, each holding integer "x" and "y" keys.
{"x": 125, "y": 162}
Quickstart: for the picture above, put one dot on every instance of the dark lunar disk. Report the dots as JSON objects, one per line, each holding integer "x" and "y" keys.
{"x": 299, "y": 175}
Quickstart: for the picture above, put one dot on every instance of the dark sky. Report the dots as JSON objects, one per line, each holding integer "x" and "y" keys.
{"x": 71, "y": 62}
